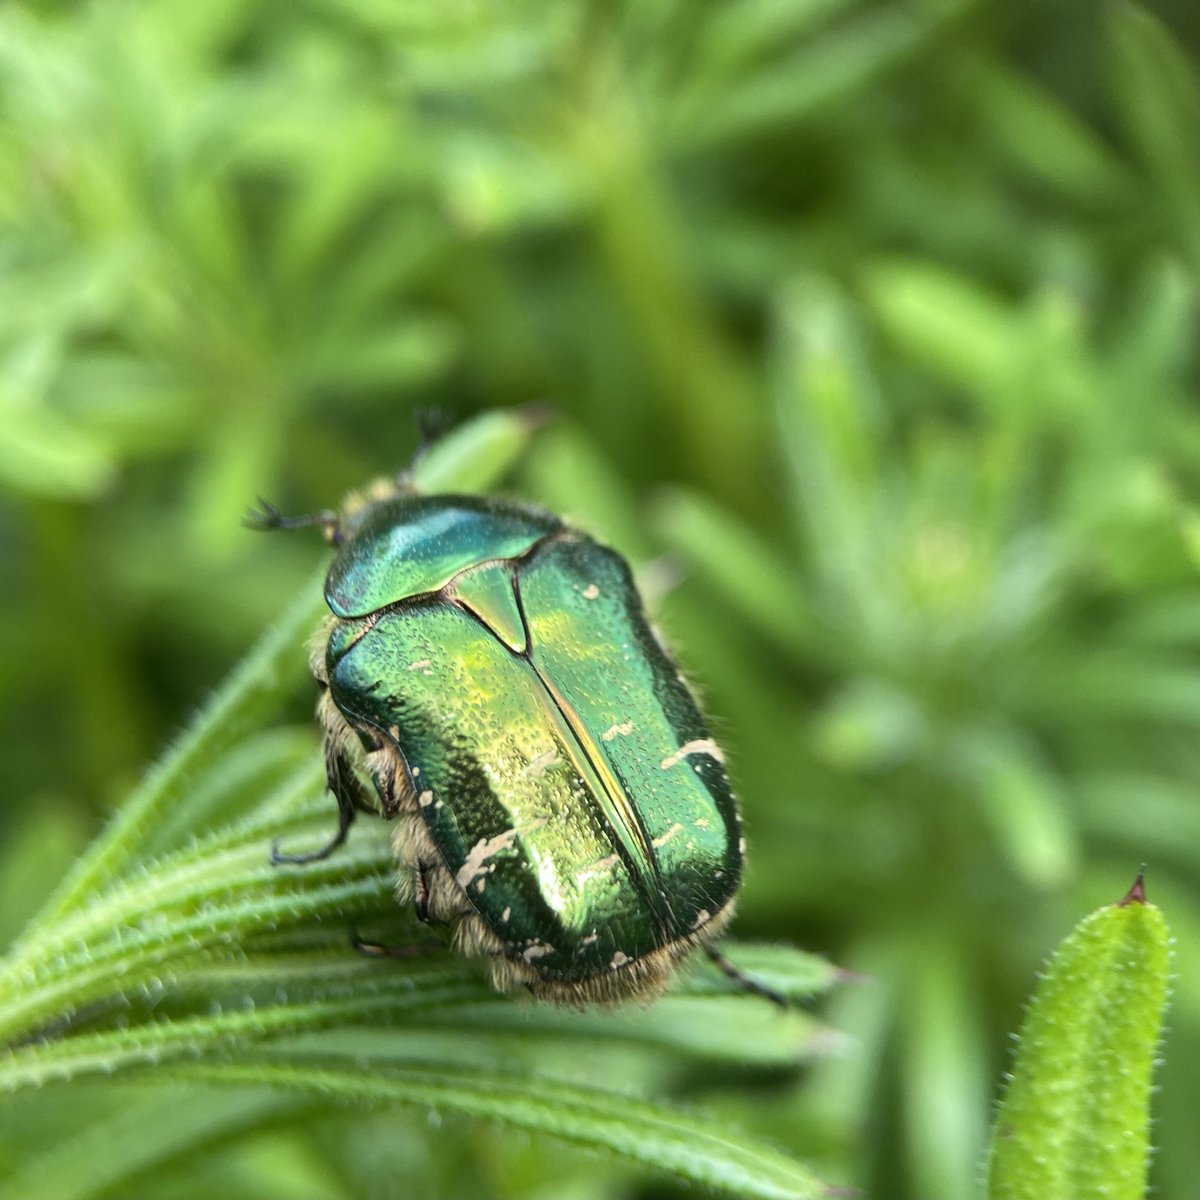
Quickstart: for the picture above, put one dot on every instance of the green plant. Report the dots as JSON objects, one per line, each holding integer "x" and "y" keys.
{"x": 887, "y": 305}
{"x": 176, "y": 955}
{"x": 1075, "y": 1120}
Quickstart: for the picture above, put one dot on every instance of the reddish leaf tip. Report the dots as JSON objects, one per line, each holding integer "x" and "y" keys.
{"x": 1137, "y": 893}
{"x": 846, "y": 975}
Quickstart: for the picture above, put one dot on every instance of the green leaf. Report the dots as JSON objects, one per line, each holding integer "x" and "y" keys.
{"x": 1042, "y": 135}
{"x": 947, "y": 323}
{"x": 1075, "y": 1120}
{"x": 1158, "y": 95}
{"x": 271, "y": 670}
{"x": 687, "y": 1146}
{"x": 834, "y": 68}
{"x": 946, "y": 1081}
{"x": 175, "y": 939}
{"x": 476, "y": 455}
{"x": 1022, "y": 801}
{"x": 140, "y": 1127}
{"x": 44, "y": 451}
{"x": 264, "y": 995}
{"x": 727, "y": 555}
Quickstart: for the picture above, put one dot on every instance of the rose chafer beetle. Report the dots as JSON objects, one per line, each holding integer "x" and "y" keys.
{"x": 561, "y": 802}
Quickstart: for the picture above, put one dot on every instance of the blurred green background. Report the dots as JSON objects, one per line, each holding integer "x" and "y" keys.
{"x": 873, "y": 327}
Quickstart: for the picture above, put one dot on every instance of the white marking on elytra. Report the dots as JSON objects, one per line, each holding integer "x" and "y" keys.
{"x": 420, "y": 666}
{"x": 591, "y": 592}
{"x": 598, "y": 868}
{"x": 622, "y": 730}
{"x": 506, "y": 913}
{"x": 537, "y": 950}
{"x": 541, "y": 764}
{"x": 741, "y": 845}
{"x": 425, "y": 799}
{"x": 619, "y": 960}
{"x": 591, "y": 939}
{"x": 439, "y": 803}
{"x": 702, "y": 918}
{"x": 702, "y": 823}
{"x": 664, "y": 838}
{"x": 415, "y": 771}
{"x": 699, "y": 746}
{"x": 485, "y": 848}
{"x": 479, "y": 883}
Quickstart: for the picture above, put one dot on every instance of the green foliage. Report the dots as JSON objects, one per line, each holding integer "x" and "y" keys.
{"x": 189, "y": 960}
{"x": 1076, "y": 1113}
{"x": 869, "y": 325}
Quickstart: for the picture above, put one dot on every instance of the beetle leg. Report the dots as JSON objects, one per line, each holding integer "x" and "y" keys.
{"x": 345, "y": 820}
{"x": 343, "y": 783}
{"x": 267, "y": 517}
{"x": 746, "y": 982}
{"x": 421, "y": 893}
{"x": 405, "y": 950}
{"x": 384, "y": 770}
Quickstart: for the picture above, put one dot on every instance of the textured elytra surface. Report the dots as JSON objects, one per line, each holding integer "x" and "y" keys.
{"x": 562, "y": 768}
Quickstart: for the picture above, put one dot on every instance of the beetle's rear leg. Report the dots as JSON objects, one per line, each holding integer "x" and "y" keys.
{"x": 408, "y": 949}
{"x": 404, "y": 950}
{"x": 351, "y": 799}
{"x": 746, "y": 982}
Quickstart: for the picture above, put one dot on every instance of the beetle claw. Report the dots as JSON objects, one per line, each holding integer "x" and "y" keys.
{"x": 300, "y": 860}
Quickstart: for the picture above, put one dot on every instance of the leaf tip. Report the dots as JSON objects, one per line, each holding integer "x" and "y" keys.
{"x": 535, "y": 414}
{"x": 848, "y": 975}
{"x": 1136, "y": 893}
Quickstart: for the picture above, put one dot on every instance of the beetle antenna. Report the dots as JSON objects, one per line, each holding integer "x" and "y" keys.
{"x": 267, "y": 517}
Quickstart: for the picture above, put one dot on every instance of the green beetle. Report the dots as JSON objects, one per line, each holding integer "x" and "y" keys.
{"x": 561, "y": 802}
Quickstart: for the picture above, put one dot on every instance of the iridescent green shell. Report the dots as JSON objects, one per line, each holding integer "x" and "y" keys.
{"x": 557, "y": 764}
{"x": 411, "y": 545}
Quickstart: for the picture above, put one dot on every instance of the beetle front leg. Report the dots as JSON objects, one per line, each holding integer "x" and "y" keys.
{"x": 343, "y": 783}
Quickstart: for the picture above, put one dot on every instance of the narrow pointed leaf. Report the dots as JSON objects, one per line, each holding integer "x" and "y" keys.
{"x": 692, "y": 1148}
